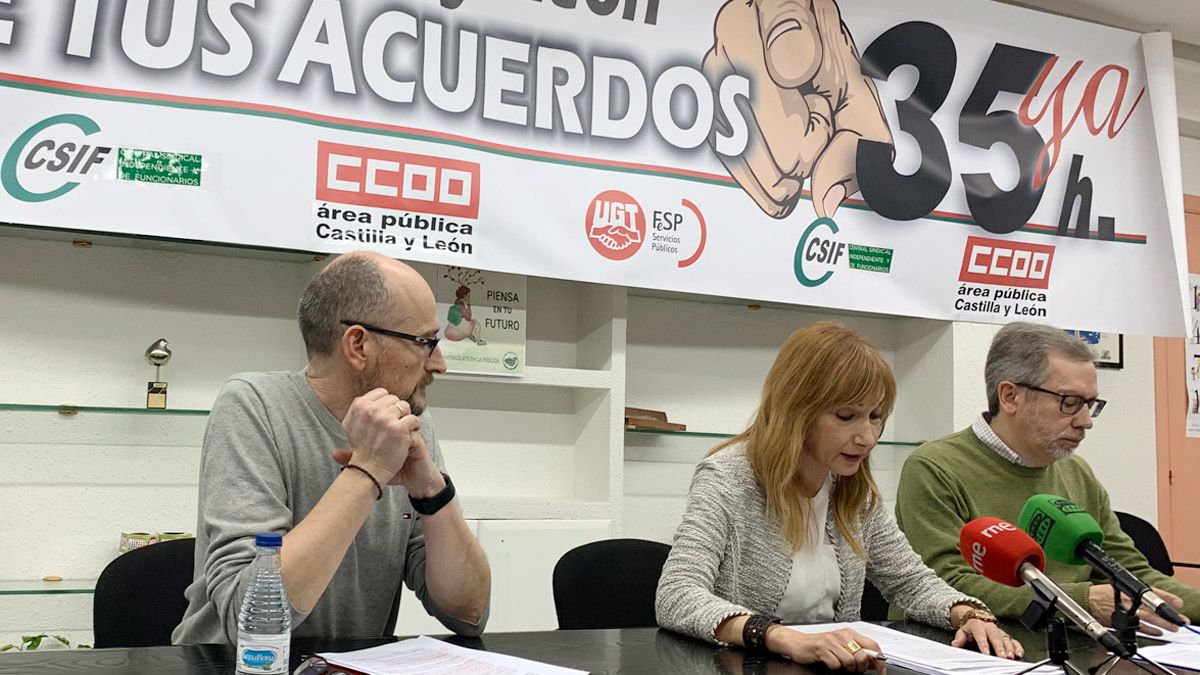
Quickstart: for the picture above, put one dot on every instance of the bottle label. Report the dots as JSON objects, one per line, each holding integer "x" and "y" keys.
{"x": 263, "y": 654}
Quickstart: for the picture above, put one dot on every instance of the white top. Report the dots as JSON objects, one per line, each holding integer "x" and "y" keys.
{"x": 816, "y": 580}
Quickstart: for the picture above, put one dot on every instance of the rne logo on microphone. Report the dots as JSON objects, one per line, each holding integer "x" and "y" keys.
{"x": 978, "y": 553}
{"x": 403, "y": 181}
{"x": 992, "y": 530}
{"x": 1006, "y": 263}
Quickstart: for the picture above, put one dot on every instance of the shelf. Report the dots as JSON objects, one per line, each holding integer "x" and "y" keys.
{"x": 70, "y": 409}
{"x": 544, "y": 376}
{"x": 709, "y": 434}
{"x": 156, "y": 243}
{"x": 40, "y": 587}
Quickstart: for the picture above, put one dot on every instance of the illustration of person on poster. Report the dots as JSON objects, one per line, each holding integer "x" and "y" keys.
{"x": 459, "y": 323}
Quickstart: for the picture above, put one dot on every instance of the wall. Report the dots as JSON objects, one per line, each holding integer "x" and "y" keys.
{"x": 1190, "y": 159}
{"x": 76, "y": 324}
{"x": 704, "y": 363}
{"x": 77, "y": 321}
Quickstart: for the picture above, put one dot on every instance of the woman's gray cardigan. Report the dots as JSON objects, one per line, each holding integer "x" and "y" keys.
{"x": 730, "y": 557}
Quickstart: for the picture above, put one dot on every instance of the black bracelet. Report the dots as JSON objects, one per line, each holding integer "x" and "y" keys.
{"x": 754, "y": 632}
{"x": 368, "y": 475}
{"x": 431, "y": 505}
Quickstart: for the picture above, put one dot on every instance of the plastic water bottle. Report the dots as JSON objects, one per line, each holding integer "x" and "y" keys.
{"x": 265, "y": 621}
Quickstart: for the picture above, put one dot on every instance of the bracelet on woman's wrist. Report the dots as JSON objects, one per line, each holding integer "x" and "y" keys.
{"x": 754, "y": 632}
{"x": 977, "y": 613}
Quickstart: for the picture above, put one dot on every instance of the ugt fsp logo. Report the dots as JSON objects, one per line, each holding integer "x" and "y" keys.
{"x": 615, "y": 225}
{"x": 56, "y": 159}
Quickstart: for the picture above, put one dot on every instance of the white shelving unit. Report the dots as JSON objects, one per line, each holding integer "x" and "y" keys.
{"x": 536, "y": 458}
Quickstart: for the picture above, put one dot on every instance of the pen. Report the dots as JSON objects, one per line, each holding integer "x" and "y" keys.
{"x": 874, "y": 654}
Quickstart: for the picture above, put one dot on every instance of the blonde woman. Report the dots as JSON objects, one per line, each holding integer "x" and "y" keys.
{"x": 783, "y": 521}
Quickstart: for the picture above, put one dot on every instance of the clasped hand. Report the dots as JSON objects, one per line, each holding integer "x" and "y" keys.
{"x": 385, "y": 440}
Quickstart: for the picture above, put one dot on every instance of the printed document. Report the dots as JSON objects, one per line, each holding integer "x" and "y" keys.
{"x": 429, "y": 656}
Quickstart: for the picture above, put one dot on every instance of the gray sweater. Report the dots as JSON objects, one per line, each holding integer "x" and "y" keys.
{"x": 730, "y": 557}
{"x": 265, "y": 464}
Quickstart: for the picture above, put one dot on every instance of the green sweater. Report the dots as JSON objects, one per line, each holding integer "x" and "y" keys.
{"x": 950, "y": 481}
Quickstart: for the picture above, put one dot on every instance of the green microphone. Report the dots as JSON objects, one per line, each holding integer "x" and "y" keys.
{"x": 1061, "y": 527}
{"x": 1071, "y": 536}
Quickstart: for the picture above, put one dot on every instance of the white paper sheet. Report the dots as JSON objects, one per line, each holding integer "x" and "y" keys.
{"x": 428, "y": 656}
{"x": 1181, "y": 636}
{"x": 927, "y": 656}
{"x": 1175, "y": 654}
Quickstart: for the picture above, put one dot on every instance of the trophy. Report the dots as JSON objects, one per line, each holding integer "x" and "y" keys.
{"x": 156, "y": 392}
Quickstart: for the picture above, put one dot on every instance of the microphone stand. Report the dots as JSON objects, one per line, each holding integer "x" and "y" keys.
{"x": 1125, "y": 624}
{"x": 1039, "y": 615}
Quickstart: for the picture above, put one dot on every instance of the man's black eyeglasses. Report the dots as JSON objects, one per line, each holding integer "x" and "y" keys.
{"x": 429, "y": 342}
{"x": 1070, "y": 404}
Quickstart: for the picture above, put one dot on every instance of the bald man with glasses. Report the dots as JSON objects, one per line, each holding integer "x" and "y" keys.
{"x": 1042, "y": 400}
{"x": 341, "y": 458}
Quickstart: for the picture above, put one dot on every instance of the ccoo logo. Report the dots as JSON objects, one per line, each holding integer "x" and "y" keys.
{"x": 1006, "y": 263}
{"x": 49, "y": 168}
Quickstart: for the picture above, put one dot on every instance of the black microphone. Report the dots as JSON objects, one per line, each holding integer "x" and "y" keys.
{"x": 1071, "y": 536}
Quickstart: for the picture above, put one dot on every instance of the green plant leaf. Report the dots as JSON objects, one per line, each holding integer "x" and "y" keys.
{"x": 7, "y": 647}
{"x": 32, "y": 642}
{"x": 62, "y": 639}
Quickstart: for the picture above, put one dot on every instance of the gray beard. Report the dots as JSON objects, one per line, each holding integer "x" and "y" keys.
{"x": 1060, "y": 454}
{"x": 369, "y": 382}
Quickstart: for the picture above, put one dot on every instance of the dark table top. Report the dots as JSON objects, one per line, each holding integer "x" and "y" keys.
{"x": 628, "y": 651}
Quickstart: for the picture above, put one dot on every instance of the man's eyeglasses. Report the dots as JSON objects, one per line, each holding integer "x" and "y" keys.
{"x": 430, "y": 343}
{"x": 315, "y": 665}
{"x": 1070, "y": 404}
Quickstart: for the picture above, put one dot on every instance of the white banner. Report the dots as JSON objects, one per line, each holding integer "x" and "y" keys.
{"x": 955, "y": 159}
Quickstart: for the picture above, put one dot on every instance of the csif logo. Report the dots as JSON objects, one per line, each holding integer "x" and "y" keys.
{"x": 1006, "y": 263}
{"x": 818, "y": 253}
{"x": 58, "y": 159}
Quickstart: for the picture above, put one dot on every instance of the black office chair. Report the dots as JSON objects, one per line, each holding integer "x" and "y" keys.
{"x": 609, "y": 584}
{"x": 139, "y": 596}
{"x": 1147, "y": 540}
{"x": 874, "y": 607}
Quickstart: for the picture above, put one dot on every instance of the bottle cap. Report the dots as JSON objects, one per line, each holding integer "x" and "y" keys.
{"x": 268, "y": 539}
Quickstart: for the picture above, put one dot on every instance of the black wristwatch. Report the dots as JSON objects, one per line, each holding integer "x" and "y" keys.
{"x": 431, "y": 505}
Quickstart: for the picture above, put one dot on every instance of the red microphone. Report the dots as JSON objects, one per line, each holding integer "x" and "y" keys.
{"x": 998, "y": 550}
{"x": 1004, "y": 553}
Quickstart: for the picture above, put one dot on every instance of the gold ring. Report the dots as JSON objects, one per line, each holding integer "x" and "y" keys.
{"x": 400, "y": 408}
{"x": 853, "y": 647}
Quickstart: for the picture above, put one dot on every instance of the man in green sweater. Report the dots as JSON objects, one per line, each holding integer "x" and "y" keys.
{"x": 1042, "y": 398}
